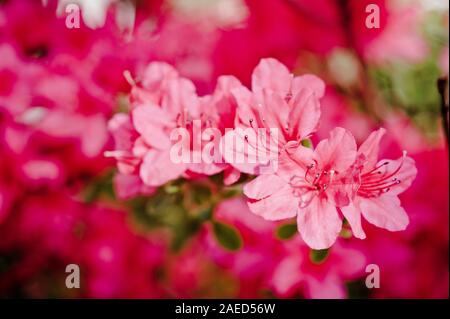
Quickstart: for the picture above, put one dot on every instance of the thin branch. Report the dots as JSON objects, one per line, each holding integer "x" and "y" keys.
{"x": 442, "y": 85}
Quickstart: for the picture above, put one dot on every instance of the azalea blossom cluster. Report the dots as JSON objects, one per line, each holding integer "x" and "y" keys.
{"x": 317, "y": 186}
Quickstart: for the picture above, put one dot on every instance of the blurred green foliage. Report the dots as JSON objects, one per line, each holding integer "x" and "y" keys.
{"x": 319, "y": 256}
{"x": 286, "y": 231}
{"x": 413, "y": 87}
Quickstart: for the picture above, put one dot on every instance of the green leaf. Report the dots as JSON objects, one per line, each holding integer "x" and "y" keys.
{"x": 357, "y": 289}
{"x": 227, "y": 236}
{"x": 200, "y": 193}
{"x": 171, "y": 189}
{"x": 345, "y": 233}
{"x": 318, "y": 256}
{"x": 286, "y": 231}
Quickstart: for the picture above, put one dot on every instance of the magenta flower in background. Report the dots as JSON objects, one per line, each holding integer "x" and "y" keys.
{"x": 296, "y": 272}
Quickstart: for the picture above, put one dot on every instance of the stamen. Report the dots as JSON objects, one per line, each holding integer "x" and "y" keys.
{"x": 318, "y": 177}
{"x": 307, "y": 171}
{"x": 384, "y": 178}
{"x": 375, "y": 168}
{"x": 129, "y": 78}
{"x": 378, "y": 187}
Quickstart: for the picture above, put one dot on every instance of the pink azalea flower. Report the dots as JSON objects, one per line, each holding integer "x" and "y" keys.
{"x": 17, "y": 80}
{"x": 143, "y": 138}
{"x": 282, "y": 104}
{"x": 400, "y": 39}
{"x": 380, "y": 183}
{"x": 296, "y": 272}
{"x": 310, "y": 185}
{"x": 161, "y": 104}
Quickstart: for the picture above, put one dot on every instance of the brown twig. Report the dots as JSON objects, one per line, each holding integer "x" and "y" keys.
{"x": 442, "y": 85}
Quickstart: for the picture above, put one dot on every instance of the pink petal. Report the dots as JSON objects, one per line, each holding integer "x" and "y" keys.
{"x": 274, "y": 112}
{"x": 225, "y": 83}
{"x": 242, "y": 95}
{"x": 305, "y": 114}
{"x": 263, "y": 186}
{"x": 353, "y": 215}
{"x": 338, "y": 152}
{"x": 250, "y": 151}
{"x": 293, "y": 160}
{"x": 319, "y": 224}
{"x": 225, "y": 101}
{"x": 370, "y": 148}
{"x": 206, "y": 168}
{"x": 122, "y": 131}
{"x": 94, "y": 135}
{"x": 149, "y": 121}
{"x": 385, "y": 212}
{"x": 245, "y": 101}
{"x": 156, "y": 73}
{"x": 157, "y": 168}
{"x": 128, "y": 186}
{"x": 236, "y": 151}
{"x": 181, "y": 97}
{"x": 271, "y": 74}
{"x": 231, "y": 175}
{"x": 330, "y": 287}
{"x": 271, "y": 201}
{"x": 310, "y": 82}
{"x": 406, "y": 174}
{"x": 287, "y": 275}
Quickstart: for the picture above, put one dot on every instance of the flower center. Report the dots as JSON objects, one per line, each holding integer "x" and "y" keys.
{"x": 315, "y": 182}
{"x": 319, "y": 179}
